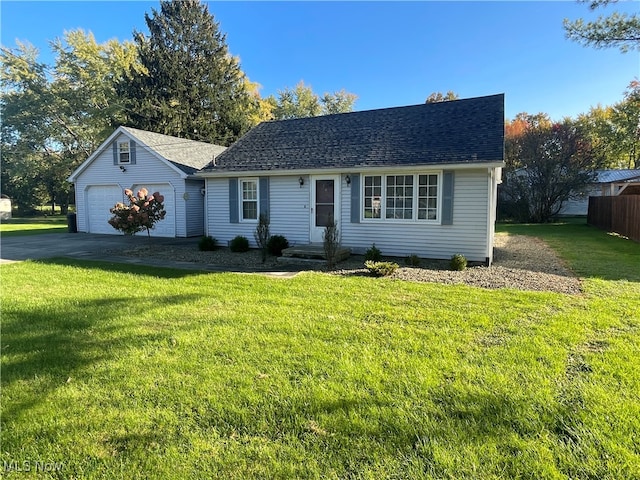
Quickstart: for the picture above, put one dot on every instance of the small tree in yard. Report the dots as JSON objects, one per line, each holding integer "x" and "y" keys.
{"x": 143, "y": 212}
{"x": 546, "y": 165}
{"x": 331, "y": 243}
{"x": 262, "y": 235}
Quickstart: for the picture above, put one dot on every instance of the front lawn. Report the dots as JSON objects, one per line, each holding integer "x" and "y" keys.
{"x": 114, "y": 371}
{"x": 33, "y": 226}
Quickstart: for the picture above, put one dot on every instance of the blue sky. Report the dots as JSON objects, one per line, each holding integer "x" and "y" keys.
{"x": 388, "y": 53}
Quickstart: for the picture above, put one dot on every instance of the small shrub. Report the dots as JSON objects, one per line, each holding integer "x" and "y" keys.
{"x": 262, "y": 235}
{"x": 458, "y": 262}
{"x": 412, "y": 260}
{"x": 381, "y": 269}
{"x": 207, "y": 244}
{"x": 331, "y": 243}
{"x": 276, "y": 244}
{"x": 373, "y": 254}
{"x": 239, "y": 244}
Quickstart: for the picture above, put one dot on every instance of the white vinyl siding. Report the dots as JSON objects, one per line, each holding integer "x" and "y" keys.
{"x": 468, "y": 234}
{"x": 288, "y": 211}
{"x": 290, "y": 216}
{"x": 148, "y": 170}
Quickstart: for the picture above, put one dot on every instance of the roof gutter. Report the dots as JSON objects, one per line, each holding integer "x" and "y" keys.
{"x": 352, "y": 169}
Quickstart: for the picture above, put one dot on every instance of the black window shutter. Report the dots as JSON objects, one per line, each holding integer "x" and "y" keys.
{"x": 263, "y": 192}
{"x": 355, "y": 197}
{"x": 132, "y": 152}
{"x": 447, "y": 197}
{"x": 233, "y": 200}
{"x": 115, "y": 153}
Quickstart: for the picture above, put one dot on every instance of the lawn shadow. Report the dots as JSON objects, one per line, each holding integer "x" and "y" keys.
{"x": 45, "y": 347}
{"x": 128, "y": 268}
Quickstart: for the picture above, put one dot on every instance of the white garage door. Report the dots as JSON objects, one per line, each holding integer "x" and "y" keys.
{"x": 167, "y": 226}
{"x": 101, "y": 198}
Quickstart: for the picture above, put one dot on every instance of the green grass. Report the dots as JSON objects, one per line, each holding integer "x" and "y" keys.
{"x": 33, "y": 226}
{"x": 132, "y": 372}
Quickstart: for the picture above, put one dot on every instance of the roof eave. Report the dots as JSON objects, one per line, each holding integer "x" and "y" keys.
{"x": 350, "y": 169}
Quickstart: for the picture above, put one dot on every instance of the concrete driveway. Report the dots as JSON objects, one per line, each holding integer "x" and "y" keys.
{"x": 74, "y": 245}
{"x": 89, "y": 246}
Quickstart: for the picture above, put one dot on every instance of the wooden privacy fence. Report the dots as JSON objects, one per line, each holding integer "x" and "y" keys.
{"x": 619, "y": 214}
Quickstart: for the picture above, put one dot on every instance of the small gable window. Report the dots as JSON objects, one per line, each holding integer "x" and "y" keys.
{"x": 124, "y": 154}
{"x": 249, "y": 199}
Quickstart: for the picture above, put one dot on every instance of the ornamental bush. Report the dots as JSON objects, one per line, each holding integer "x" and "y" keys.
{"x": 381, "y": 269}
{"x": 412, "y": 260}
{"x": 276, "y": 244}
{"x": 143, "y": 212}
{"x": 262, "y": 235}
{"x": 374, "y": 254}
{"x": 239, "y": 244}
{"x": 207, "y": 244}
{"x": 458, "y": 262}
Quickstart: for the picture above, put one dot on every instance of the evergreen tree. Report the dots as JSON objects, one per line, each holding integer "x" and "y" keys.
{"x": 191, "y": 86}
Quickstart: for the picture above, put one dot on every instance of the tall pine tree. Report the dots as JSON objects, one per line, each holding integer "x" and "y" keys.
{"x": 191, "y": 87}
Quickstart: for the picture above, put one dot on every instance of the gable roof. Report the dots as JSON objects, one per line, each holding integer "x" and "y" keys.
{"x": 188, "y": 155}
{"x": 184, "y": 156}
{"x": 460, "y": 131}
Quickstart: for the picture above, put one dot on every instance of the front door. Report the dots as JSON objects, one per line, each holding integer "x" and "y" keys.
{"x": 324, "y": 204}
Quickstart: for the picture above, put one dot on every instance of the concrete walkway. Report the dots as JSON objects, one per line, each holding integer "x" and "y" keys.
{"x": 89, "y": 246}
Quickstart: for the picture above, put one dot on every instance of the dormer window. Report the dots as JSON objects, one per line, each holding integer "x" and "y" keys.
{"x": 123, "y": 152}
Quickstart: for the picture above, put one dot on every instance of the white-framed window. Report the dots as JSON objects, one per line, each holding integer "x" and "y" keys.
{"x": 372, "y": 196}
{"x": 124, "y": 154}
{"x": 413, "y": 197}
{"x": 399, "y": 198}
{"x": 249, "y": 199}
{"x": 428, "y": 197}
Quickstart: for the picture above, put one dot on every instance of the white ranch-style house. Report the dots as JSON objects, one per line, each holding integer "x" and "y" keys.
{"x": 417, "y": 180}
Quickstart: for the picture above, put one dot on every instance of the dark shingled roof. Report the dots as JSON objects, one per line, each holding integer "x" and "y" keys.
{"x": 459, "y": 131}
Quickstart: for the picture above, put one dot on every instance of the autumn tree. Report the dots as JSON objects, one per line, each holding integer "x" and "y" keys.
{"x": 437, "y": 97}
{"x": 55, "y": 116}
{"x": 616, "y": 129}
{"x": 619, "y": 30}
{"x": 301, "y": 101}
{"x": 547, "y": 164}
{"x": 191, "y": 86}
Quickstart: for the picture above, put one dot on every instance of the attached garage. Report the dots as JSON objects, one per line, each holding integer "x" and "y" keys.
{"x": 166, "y": 227}
{"x": 132, "y": 158}
{"x": 99, "y": 199}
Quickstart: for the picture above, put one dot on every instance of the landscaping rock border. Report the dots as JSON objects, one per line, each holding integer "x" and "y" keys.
{"x": 520, "y": 262}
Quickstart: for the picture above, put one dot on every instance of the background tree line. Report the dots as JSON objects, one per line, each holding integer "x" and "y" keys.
{"x": 181, "y": 80}
{"x": 178, "y": 80}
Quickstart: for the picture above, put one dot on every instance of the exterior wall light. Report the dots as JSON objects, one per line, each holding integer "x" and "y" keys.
{"x": 301, "y": 181}
{"x": 348, "y": 179}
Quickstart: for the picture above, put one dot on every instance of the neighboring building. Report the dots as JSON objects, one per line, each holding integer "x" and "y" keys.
{"x": 413, "y": 180}
{"x": 5, "y": 208}
{"x": 608, "y": 183}
{"x": 132, "y": 158}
